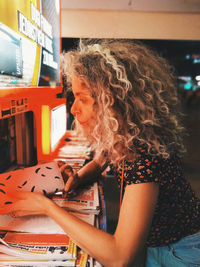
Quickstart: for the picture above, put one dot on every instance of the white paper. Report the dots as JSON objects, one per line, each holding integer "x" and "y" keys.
{"x": 38, "y": 224}
{"x": 45, "y": 178}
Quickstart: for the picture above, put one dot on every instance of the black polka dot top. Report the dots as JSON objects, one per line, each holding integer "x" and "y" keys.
{"x": 177, "y": 212}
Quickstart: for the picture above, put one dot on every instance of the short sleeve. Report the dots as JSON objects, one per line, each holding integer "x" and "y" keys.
{"x": 145, "y": 169}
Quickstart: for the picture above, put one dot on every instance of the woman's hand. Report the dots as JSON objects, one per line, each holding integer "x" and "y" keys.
{"x": 71, "y": 185}
{"x": 88, "y": 174}
{"x": 70, "y": 178}
{"x": 25, "y": 203}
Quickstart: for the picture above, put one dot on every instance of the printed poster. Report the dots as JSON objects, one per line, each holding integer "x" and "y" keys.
{"x": 29, "y": 43}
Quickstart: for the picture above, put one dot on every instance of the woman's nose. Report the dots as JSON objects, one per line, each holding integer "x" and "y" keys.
{"x": 74, "y": 108}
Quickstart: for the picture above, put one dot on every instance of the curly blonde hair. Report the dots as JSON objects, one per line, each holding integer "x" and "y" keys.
{"x": 135, "y": 97}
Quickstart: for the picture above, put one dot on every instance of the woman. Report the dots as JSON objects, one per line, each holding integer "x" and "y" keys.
{"x": 126, "y": 105}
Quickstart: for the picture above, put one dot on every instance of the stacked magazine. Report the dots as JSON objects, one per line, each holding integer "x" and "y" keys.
{"x": 37, "y": 249}
{"x": 75, "y": 151}
{"x": 37, "y": 240}
{"x": 87, "y": 201}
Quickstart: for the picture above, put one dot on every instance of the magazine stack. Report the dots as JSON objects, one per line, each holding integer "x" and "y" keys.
{"x": 37, "y": 240}
{"x": 75, "y": 151}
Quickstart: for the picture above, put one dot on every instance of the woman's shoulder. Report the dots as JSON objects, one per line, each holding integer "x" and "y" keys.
{"x": 143, "y": 152}
{"x": 148, "y": 167}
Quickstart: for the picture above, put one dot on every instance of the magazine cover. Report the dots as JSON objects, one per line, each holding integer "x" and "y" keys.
{"x": 87, "y": 201}
{"x": 24, "y": 246}
{"x": 81, "y": 260}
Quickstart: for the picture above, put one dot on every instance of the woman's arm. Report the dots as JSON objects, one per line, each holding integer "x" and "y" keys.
{"x": 119, "y": 249}
{"x": 128, "y": 240}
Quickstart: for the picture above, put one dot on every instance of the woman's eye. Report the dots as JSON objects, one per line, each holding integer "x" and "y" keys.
{"x": 83, "y": 100}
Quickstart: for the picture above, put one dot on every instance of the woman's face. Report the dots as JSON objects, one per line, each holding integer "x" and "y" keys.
{"x": 83, "y": 106}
